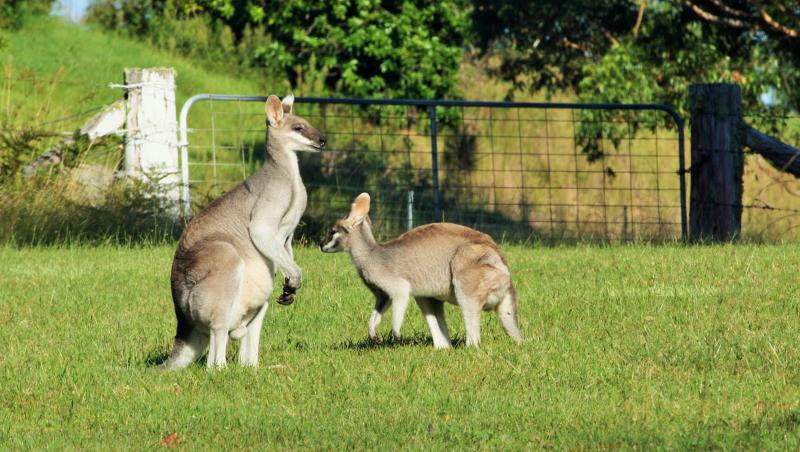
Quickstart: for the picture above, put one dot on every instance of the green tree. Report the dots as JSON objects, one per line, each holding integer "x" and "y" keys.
{"x": 364, "y": 48}
{"x": 640, "y": 51}
{"x": 13, "y": 12}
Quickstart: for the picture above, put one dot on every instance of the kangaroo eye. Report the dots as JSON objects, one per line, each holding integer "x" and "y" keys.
{"x": 298, "y": 127}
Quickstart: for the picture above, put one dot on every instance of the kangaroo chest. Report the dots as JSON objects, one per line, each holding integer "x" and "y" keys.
{"x": 297, "y": 206}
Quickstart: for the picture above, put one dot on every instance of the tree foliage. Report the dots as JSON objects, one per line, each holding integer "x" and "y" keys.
{"x": 13, "y": 12}
{"x": 365, "y": 48}
{"x": 640, "y": 51}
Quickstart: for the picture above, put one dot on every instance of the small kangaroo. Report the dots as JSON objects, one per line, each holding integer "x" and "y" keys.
{"x": 433, "y": 263}
{"x": 224, "y": 268}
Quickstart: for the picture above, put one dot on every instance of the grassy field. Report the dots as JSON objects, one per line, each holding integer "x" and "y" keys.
{"x": 629, "y": 346}
{"x": 53, "y": 69}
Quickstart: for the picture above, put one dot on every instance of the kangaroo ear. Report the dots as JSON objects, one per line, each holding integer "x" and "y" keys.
{"x": 287, "y": 103}
{"x": 359, "y": 209}
{"x": 274, "y": 111}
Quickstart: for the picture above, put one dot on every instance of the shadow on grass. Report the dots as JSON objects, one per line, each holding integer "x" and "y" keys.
{"x": 156, "y": 358}
{"x": 388, "y": 342}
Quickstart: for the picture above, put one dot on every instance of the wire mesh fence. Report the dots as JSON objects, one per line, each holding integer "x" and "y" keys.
{"x": 35, "y": 118}
{"x": 59, "y": 167}
{"x": 771, "y": 196}
{"x": 37, "y": 103}
{"x": 518, "y": 171}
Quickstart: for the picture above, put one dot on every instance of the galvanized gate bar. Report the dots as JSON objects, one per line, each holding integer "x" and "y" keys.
{"x": 437, "y": 203}
{"x": 431, "y": 105}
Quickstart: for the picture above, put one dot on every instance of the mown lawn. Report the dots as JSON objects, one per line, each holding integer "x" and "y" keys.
{"x": 628, "y": 346}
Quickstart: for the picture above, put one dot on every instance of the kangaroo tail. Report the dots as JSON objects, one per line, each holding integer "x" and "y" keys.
{"x": 507, "y": 313}
{"x": 189, "y": 343}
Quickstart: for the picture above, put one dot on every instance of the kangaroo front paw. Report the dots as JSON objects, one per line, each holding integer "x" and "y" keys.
{"x": 287, "y": 297}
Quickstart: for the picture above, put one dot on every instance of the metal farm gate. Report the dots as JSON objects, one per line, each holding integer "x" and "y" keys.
{"x": 518, "y": 171}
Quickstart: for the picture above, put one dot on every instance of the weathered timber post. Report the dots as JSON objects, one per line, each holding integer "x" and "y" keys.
{"x": 715, "y": 208}
{"x": 151, "y": 142}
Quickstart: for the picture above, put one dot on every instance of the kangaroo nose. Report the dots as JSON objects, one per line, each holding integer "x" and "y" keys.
{"x": 322, "y": 141}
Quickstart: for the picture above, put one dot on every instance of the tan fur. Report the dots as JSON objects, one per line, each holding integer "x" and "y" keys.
{"x": 225, "y": 264}
{"x": 432, "y": 263}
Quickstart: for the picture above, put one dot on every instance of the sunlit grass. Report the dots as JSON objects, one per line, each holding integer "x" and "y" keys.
{"x": 54, "y": 69}
{"x": 676, "y": 347}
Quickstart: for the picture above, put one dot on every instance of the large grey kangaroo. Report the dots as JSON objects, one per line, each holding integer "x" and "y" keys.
{"x": 224, "y": 268}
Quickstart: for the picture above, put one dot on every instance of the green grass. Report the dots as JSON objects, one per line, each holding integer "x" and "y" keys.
{"x": 630, "y": 346}
{"x": 73, "y": 65}
{"x": 55, "y": 75}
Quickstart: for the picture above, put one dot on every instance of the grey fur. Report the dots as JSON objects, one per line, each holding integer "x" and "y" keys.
{"x": 433, "y": 263}
{"x": 224, "y": 268}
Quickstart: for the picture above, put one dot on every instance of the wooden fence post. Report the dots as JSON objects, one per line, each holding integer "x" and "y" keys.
{"x": 717, "y": 162}
{"x": 151, "y": 141}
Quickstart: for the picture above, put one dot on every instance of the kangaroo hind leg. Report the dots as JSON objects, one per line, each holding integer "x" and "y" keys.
{"x": 433, "y": 310}
{"x": 216, "y": 297}
{"x": 478, "y": 274}
{"x": 248, "y": 353}
{"x": 470, "y": 300}
{"x": 186, "y": 350}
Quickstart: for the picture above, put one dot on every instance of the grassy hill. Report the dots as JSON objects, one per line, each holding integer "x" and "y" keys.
{"x": 53, "y": 69}
{"x": 55, "y": 76}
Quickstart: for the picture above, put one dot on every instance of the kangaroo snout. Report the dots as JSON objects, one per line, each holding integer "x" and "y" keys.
{"x": 316, "y": 140}
{"x": 327, "y": 245}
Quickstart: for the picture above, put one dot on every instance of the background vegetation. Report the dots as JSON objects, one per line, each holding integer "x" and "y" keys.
{"x": 57, "y": 74}
{"x": 361, "y": 48}
{"x": 611, "y": 50}
{"x": 626, "y": 51}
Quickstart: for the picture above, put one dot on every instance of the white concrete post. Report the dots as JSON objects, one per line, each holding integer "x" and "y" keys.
{"x": 151, "y": 143}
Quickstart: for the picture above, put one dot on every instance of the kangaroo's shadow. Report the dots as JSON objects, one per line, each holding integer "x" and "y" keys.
{"x": 155, "y": 358}
{"x": 389, "y": 342}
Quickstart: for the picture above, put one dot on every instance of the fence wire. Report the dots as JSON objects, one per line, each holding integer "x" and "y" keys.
{"x": 516, "y": 171}
{"x": 771, "y": 197}
{"x": 38, "y": 115}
